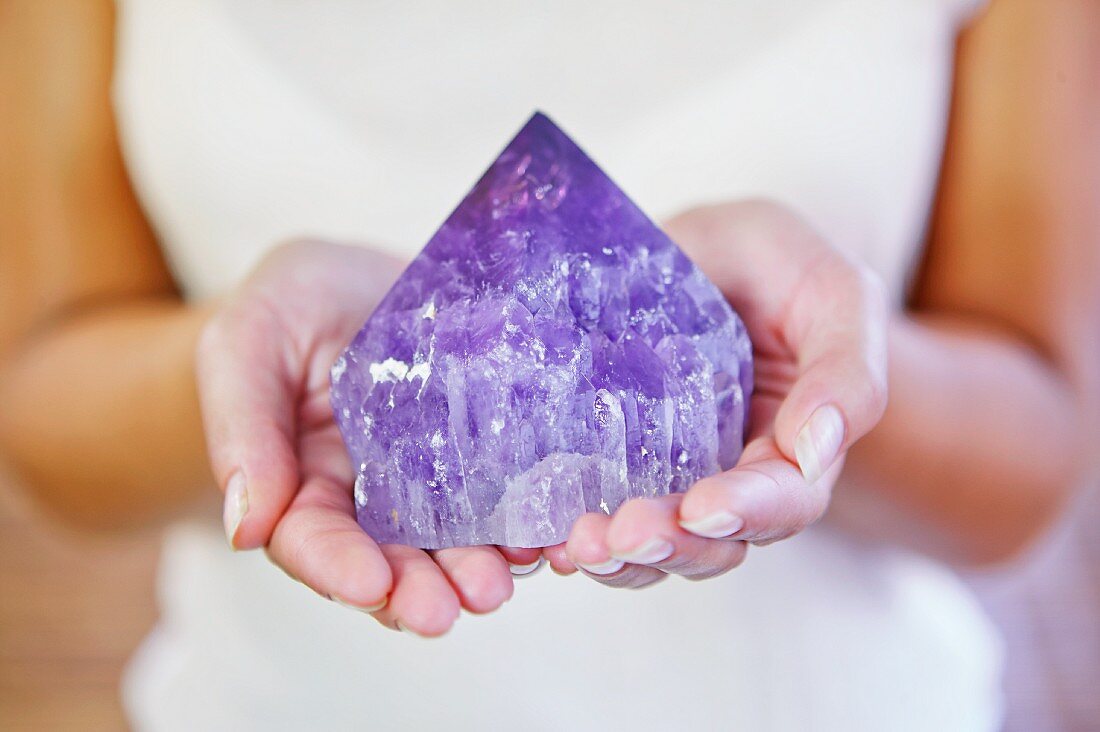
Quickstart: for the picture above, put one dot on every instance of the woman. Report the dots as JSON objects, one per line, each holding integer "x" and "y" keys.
{"x": 244, "y": 125}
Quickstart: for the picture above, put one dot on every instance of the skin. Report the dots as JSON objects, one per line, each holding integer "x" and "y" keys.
{"x": 100, "y": 355}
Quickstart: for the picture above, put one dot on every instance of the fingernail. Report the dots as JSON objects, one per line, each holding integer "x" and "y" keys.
{"x": 611, "y": 566}
{"x": 653, "y": 551}
{"x": 715, "y": 526}
{"x": 522, "y": 570}
{"x": 360, "y": 608}
{"x": 236, "y": 506}
{"x": 818, "y": 443}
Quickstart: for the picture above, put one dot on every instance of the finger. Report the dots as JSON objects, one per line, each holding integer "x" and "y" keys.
{"x": 837, "y": 326}
{"x": 478, "y": 574}
{"x": 319, "y": 543}
{"x": 423, "y": 601}
{"x": 587, "y": 549}
{"x": 764, "y": 499}
{"x": 522, "y": 562}
{"x": 248, "y": 407}
{"x": 645, "y": 531}
{"x": 558, "y": 559}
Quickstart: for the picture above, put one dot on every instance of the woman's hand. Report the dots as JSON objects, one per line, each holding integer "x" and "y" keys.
{"x": 818, "y": 326}
{"x": 263, "y": 372}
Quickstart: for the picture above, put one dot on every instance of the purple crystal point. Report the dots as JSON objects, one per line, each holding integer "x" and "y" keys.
{"x": 550, "y": 352}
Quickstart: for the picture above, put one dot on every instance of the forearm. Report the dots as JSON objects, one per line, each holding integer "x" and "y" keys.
{"x": 100, "y": 413}
{"x": 981, "y": 442}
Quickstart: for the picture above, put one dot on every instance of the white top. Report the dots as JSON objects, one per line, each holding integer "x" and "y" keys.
{"x": 249, "y": 122}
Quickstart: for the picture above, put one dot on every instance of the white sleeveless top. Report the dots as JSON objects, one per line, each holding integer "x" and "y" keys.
{"x": 248, "y": 122}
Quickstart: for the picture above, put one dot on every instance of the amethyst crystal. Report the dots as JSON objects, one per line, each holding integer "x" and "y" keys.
{"x": 550, "y": 352}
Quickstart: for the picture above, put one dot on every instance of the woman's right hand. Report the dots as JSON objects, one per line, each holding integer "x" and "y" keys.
{"x": 263, "y": 377}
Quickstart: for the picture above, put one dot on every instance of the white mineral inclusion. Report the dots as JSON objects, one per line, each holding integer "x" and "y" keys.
{"x": 605, "y": 402}
{"x": 339, "y": 368}
{"x": 360, "y": 491}
{"x": 419, "y": 370}
{"x": 389, "y": 370}
{"x": 392, "y": 370}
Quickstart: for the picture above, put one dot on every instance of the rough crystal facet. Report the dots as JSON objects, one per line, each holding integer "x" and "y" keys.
{"x": 549, "y": 352}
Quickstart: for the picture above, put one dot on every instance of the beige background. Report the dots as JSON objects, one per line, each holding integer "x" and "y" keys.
{"x": 72, "y": 608}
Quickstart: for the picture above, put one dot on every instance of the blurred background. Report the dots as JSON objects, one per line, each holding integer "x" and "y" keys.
{"x": 74, "y": 605}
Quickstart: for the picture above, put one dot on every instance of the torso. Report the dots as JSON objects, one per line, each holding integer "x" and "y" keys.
{"x": 251, "y": 122}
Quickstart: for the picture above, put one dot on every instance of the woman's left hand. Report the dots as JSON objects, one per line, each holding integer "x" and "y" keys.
{"x": 818, "y": 325}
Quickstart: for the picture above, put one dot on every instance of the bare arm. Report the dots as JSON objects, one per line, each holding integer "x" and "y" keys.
{"x": 994, "y": 371}
{"x": 96, "y": 380}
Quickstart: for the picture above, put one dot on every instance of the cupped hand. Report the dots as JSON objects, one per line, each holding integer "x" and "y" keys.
{"x": 818, "y": 326}
{"x": 263, "y": 375}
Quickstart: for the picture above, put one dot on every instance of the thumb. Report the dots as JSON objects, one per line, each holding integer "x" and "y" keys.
{"x": 837, "y": 328}
{"x": 248, "y": 403}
